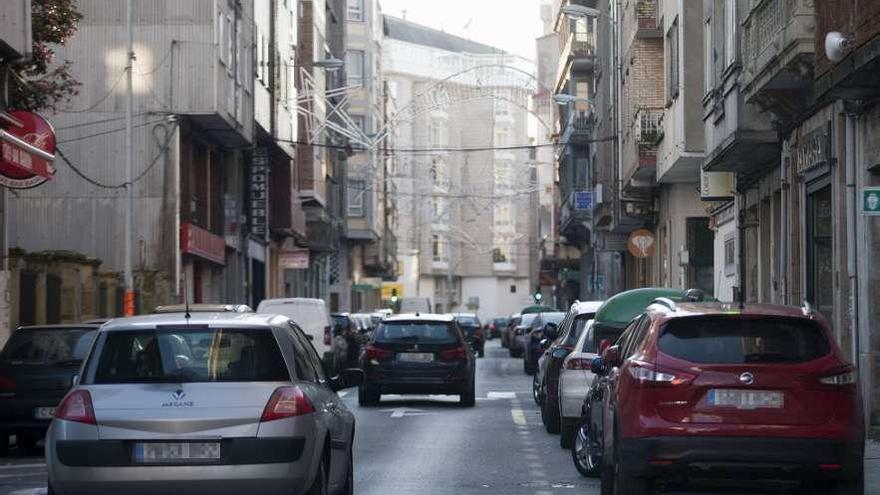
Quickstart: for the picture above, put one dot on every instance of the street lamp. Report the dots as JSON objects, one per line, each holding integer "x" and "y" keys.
{"x": 579, "y": 11}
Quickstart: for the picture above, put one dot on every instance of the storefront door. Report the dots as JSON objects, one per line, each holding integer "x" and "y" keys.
{"x": 820, "y": 273}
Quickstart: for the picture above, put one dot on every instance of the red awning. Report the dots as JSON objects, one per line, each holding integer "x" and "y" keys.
{"x": 199, "y": 242}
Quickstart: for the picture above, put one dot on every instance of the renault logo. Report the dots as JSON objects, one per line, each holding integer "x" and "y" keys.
{"x": 178, "y": 394}
{"x": 747, "y": 378}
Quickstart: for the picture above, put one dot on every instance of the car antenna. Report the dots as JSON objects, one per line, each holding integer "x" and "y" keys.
{"x": 186, "y": 300}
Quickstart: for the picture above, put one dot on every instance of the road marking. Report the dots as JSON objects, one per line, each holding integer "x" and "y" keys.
{"x": 501, "y": 395}
{"x": 518, "y": 416}
{"x": 400, "y": 412}
{"x": 22, "y": 466}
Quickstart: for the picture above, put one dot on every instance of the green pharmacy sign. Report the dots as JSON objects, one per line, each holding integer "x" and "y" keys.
{"x": 871, "y": 201}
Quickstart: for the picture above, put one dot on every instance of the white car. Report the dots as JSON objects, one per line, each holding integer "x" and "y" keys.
{"x": 575, "y": 377}
{"x": 311, "y": 315}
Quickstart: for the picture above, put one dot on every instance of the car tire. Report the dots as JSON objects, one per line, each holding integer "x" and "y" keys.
{"x": 527, "y": 368}
{"x": 566, "y": 433}
{"x": 468, "y": 397}
{"x": 536, "y": 390}
{"x": 628, "y": 485}
{"x": 590, "y": 466}
{"x": 482, "y": 351}
{"x": 853, "y": 486}
{"x": 368, "y": 395}
{"x": 320, "y": 485}
{"x": 550, "y": 415}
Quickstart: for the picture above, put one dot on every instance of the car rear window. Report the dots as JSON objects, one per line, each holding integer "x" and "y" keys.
{"x": 527, "y": 320}
{"x": 743, "y": 340}
{"x": 190, "y": 355}
{"x": 467, "y": 321}
{"x": 427, "y": 332}
{"x": 49, "y": 347}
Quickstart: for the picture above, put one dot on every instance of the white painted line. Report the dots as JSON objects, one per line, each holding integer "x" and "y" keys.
{"x": 22, "y": 466}
{"x": 518, "y": 416}
{"x": 501, "y": 395}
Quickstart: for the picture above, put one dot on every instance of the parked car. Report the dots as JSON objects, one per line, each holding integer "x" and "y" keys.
{"x": 364, "y": 322}
{"x": 544, "y": 328}
{"x": 311, "y": 316}
{"x": 518, "y": 333}
{"x": 550, "y": 365}
{"x": 473, "y": 331}
{"x": 415, "y": 305}
{"x": 753, "y": 393}
{"x": 507, "y": 331}
{"x": 418, "y": 354}
{"x": 221, "y": 403}
{"x": 346, "y": 338}
{"x": 496, "y": 326}
{"x": 37, "y": 366}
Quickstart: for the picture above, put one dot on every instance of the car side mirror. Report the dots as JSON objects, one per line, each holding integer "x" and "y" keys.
{"x": 74, "y": 380}
{"x": 551, "y": 331}
{"x": 596, "y": 366}
{"x": 545, "y": 343}
{"x": 347, "y": 378}
{"x": 604, "y": 344}
{"x": 560, "y": 353}
{"x": 611, "y": 356}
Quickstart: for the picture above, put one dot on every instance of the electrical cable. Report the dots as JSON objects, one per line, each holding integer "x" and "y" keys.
{"x": 101, "y": 100}
{"x": 111, "y": 131}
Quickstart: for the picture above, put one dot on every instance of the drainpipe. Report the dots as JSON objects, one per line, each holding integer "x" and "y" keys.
{"x": 851, "y": 240}
{"x": 784, "y": 223}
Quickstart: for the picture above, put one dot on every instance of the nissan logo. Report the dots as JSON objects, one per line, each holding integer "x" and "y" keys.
{"x": 747, "y": 378}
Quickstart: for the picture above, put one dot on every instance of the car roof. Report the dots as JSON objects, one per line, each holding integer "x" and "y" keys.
{"x": 238, "y": 320}
{"x": 203, "y": 308}
{"x": 465, "y": 315}
{"x": 690, "y": 309}
{"x": 419, "y": 316}
{"x": 619, "y": 309}
{"x": 288, "y": 300}
{"x": 583, "y": 307}
{"x": 59, "y": 326}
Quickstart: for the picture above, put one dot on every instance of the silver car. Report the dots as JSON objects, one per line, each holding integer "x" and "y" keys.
{"x": 217, "y": 403}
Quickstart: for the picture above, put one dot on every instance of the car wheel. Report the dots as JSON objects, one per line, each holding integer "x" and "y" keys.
{"x": 368, "y": 395}
{"x": 550, "y": 415}
{"x": 584, "y": 451}
{"x": 319, "y": 486}
{"x": 628, "y": 485}
{"x": 481, "y": 352}
{"x": 468, "y": 398}
{"x": 536, "y": 390}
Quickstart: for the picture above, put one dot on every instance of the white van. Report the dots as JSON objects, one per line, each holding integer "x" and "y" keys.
{"x": 415, "y": 305}
{"x": 310, "y": 314}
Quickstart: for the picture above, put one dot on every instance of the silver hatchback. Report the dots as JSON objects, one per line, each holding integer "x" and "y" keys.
{"x": 215, "y": 403}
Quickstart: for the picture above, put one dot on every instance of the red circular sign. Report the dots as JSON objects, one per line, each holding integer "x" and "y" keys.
{"x": 26, "y": 151}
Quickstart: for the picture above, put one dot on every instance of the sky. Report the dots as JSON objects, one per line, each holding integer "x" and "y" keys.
{"x": 511, "y": 25}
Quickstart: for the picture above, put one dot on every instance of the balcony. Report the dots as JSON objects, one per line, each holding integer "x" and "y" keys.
{"x": 641, "y": 157}
{"x": 579, "y": 124}
{"x": 647, "y": 19}
{"x": 575, "y": 221}
{"x": 778, "y": 47}
{"x": 380, "y": 257}
{"x": 577, "y": 48}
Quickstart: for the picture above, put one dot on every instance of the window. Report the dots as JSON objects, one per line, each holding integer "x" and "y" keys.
{"x": 221, "y": 37}
{"x": 239, "y": 53}
{"x": 55, "y": 347}
{"x": 356, "y": 191}
{"x": 229, "y": 45}
{"x": 416, "y": 332}
{"x": 501, "y": 254}
{"x": 730, "y": 50}
{"x": 502, "y": 108}
{"x": 672, "y": 62}
{"x": 440, "y": 211}
{"x": 502, "y": 137}
{"x": 438, "y": 248}
{"x": 438, "y": 172}
{"x": 355, "y": 10}
{"x": 437, "y": 132}
{"x": 503, "y": 173}
{"x": 730, "y": 255}
{"x": 709, "y": 61}
{"x": 354, "y": 67}
{"x": 503, "y": 215}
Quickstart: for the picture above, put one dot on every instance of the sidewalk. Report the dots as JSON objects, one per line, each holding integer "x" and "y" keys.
{"x": 872, "y": 467}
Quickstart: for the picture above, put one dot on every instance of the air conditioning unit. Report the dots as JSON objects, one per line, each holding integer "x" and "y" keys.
{"x": 717, "y": 186}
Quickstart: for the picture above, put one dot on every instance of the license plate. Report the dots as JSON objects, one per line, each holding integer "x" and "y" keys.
{"x": 416, "y": 357}
{"x": 170, "y": 452}
{"x": 44, "y": 412}
{"x": 745, "y": 399}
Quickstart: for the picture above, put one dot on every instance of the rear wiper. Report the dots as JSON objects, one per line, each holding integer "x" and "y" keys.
{"x": 770, "y": 357}
{"x": 408, "y": 338}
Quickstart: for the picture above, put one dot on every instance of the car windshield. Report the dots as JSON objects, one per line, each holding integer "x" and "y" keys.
{"x": 552, "y": 318}
{"x": 420, "y": 332}
{"x": 528, "y": 319}
{"x": 467, "y": 321}
{"x": 47, "y": 347}
{"x": 190, "y": 355}
{"x": 743, "y": 340}
{"x": 501, "y": 322}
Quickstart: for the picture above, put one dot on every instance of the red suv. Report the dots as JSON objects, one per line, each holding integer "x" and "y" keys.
{"x": 709, "y": 391}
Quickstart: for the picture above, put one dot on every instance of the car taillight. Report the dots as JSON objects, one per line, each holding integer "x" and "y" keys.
{"x": 373, "y": 352}
{"x": 7, "y": 384}
{"x": 327, "y": 336}
{"x": 842, "y": 377}
{"x": 457, "y": 354}
{"x": 287, "y": 402}
{"x": 578, "y": 364}
{"x": 647, "y": 374}
{"x": 77, "y": 406}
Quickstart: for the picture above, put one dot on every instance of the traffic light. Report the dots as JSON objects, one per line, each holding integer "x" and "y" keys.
{"x": 394, "y": 297}
{"x": 538, "y": 296}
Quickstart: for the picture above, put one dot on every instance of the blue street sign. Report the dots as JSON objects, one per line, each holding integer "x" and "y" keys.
{"x": 583, "y": 200}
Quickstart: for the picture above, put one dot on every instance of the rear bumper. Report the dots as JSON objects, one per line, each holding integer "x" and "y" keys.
{"x": 17, "y": 414}
{"x": 741, "y": 457}
{"x": 573, "y": 389}
{"x": 393, "y": 380}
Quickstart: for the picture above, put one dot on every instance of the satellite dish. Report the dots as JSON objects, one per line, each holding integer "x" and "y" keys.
{"x": 836, "y": 46}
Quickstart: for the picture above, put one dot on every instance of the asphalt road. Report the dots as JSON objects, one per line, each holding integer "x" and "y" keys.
{"x": 431, "y": 445}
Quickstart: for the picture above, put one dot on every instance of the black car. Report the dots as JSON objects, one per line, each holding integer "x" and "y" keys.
{"x": 497, "y": 326}
{"x": 417, "y": 354}
{"x": 542, "y": 329}
{"x": 473, "y": 331}
{"x": 37, "y": 366}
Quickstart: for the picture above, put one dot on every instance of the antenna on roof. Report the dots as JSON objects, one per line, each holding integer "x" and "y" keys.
{"x": 186, "y": 299}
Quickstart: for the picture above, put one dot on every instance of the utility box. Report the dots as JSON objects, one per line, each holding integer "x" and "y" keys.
{"x": 16, "y": 35}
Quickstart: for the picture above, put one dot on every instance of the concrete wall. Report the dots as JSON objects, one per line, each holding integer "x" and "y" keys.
{"x": 678, "y": 202}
